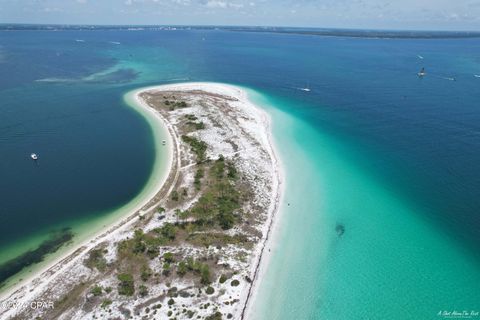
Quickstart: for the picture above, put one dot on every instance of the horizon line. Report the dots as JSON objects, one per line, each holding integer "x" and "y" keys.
{"x": 238, "y": 26}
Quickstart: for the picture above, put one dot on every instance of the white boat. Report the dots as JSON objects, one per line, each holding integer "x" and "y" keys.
{"x": 476, "y": 75}
{"x": 306, "y": 89}
{"x": 34, "y": 156}
{"x": 422, "y": 73}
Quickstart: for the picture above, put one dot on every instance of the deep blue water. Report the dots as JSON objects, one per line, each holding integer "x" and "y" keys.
{"x": 420, "y": 138}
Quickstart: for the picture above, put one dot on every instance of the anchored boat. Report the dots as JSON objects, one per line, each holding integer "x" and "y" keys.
{"x": 422, "y": 73}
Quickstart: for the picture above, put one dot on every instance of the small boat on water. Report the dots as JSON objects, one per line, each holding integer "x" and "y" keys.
{"x": 306, "y": 89}
{"x": 34, "y": 156}
{"x": 164, "y": 142}
{"x": 476, "y": 75}
{"x": 422, "y": 73}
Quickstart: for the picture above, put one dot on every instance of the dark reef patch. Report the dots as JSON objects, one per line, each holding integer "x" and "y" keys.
{"x": 51, "y": 245}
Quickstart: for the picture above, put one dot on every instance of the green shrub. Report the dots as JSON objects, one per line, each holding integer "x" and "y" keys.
{"x": 234, "y": 283}
{"x": 198, "y": 147}
{"x": 138, "y": 241}
{"x": 232, "y": 171}
{"x": 182, "y": 268}
{"x": 210, "y": 290}
{"x": 226, "y": 220}
{"x": 96, "y": 260}
{"x": 191, "y": 117}
{"x": 168, "y": 257}
{"x": 223, "y": 278}
{"x": 171, "y": 302}
{"x": 126, "y": 286}
{"x": 197, "y": 182}
{"x": 142, "y": 290}
{"x": 216, "y": 316}
{"x": 166, "y": 269}
{"x": 174, "y": 195}
{"x": 96, "y": 291}
{"x": 199, "y": 125}
{"x": 152, "y": 250}
{"x": 205, "y": 274}
{"x": 106, "y": 303}
{"x": 168, "y": 231}
{"x": 146, "y": 273}
{"x": 193, "y": 265}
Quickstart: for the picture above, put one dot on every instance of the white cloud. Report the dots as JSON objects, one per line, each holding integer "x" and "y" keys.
{"x": 216, "y": 4}
{"x": 223, "y": 4}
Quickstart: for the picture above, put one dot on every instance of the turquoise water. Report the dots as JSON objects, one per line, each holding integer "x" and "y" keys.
{"x": 391, "y": 157}
{"x": 388, "y": 264}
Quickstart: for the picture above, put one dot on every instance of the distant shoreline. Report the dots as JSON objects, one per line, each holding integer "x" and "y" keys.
{"x": 324, "y": 32}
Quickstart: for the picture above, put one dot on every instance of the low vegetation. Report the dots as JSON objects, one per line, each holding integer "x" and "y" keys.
{"x": 96, "y": 260}
{"x": 197, "y": 146}
{"x": 172, "y": 105}
{"x": 126, "y": 285}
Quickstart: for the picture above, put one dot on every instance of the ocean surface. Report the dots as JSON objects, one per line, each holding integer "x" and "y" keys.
{"x": 381, "y": 214}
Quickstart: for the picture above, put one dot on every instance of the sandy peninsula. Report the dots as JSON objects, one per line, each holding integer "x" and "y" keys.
{"x": 193, "y": 248}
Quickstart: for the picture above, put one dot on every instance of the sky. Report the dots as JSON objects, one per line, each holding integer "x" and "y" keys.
{"x": 370, "y": 14}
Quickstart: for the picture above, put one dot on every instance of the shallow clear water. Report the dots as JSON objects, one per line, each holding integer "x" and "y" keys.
{"x": 388, "y": 264}
{"x": 390, "y": 156}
